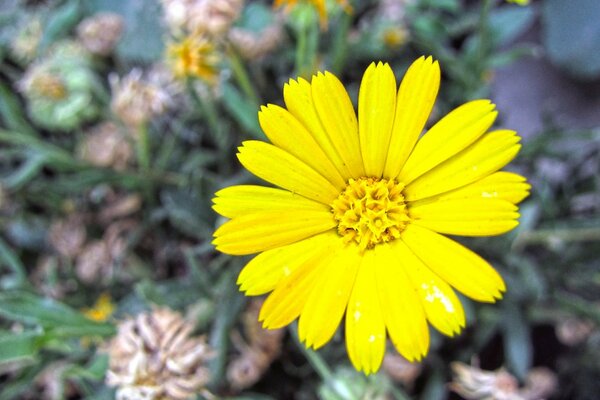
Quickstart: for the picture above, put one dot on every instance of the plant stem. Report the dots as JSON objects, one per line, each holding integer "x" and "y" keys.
{"x": 315, "y": 360}
{"x": 143, "y": 147}
{"x": 242, "y": 77}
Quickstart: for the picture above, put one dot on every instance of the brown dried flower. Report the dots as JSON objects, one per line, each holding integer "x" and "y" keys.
{"x": 92, "y": 262}
{"x": 106, "y": 146}
{"x": 262, "y": 347}
{"x": 67, "y": 236}
{"x": 154, "y": 357}
{"x": 252, "y": 45}
{"x": 98, "y": 259}
{"x": 213, "y": 17}
{"x": 401, "y": 370}
{"x": 573, "y": 331}
{"x": 136, "y": 99}
{"x": 473, "y": 383}
{"x": 100, "y": 33}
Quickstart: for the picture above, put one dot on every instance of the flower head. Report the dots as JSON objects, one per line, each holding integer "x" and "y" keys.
{"x": 356, "y": 225}
{"x": 137, "y": 98}
{"x": 101, "y": 32}
{"x": 154, "y": 357}
{"x": 194, "y": 56}
{"x": 213, "y": 17}
{"x": 60, "y": 88}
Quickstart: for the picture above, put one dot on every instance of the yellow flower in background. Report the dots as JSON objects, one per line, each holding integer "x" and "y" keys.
{"x": 519, "y": 2}
{"x": 101, "y": 310}
{"x": 194, "y": 56}
{"x": 356, "y": 225}
{"x": 318, "y": 4}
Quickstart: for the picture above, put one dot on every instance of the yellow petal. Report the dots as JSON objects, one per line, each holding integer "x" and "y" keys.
{"x": 403, "y": 313}
{"x": 499, "y": 185}
{"x": 460, "y": 267}
{"x": 487, "y": 155}
{"x": 376, "y": 109}
{"x": 337, "y": 115}
{"x": 365, "y": 326}
{"x": 236, "y": 201}
{"x": 442, "y": 307}
{"x": 466, "y": 217}
{"x": 328, "y": 299}
{"x": 266, "y": 270}
{"x": 284, "y": 170}
{"x": 415, "y": 100}
{"x": 452, "y": 134}
{"x": 258, "y": 232}
{"x": 286, "y": 302}
{"x": 287, "y": 133}
{"x": 299, "y": 101}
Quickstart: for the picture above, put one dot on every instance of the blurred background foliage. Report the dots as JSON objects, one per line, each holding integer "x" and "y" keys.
{"x": 112, "y": 148}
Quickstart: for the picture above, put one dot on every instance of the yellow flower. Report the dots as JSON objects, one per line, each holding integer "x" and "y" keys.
{"x": 318, "y": 4}
{"x": 519, "y": 2}
{"x": 101, "y": 310}
{"x": 356, "y": 226}
{"x": 195, "y": 56}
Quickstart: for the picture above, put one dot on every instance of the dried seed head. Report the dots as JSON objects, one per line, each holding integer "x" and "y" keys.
{"x": 92, "y": 262}
{"x": 262, "y": 348}
{"x": 25, "y": 45}
{"x": 213, "y": 17}
{"x": 401, "y": 370}
{"x": 541, "y": 383}
{"x": 67, "y": 236}
{"x": 101, "y": 32}
{"x": 252, "y": 45}
{"x": 573, "y": 331}
{"x": 136, "y": 99}
{"x": 475, "y": 384}
{"x": 154, "y": 357}
{"x": 106, "y": 146}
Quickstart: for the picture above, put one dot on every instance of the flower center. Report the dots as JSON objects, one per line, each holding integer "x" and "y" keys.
{"x": 370, "y": 211}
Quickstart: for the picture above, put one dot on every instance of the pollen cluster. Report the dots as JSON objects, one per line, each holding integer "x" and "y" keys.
{"x": 370, "y": 211}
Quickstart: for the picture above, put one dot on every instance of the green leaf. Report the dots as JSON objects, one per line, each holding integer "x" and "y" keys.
{"x": 20, "y": 348}
{"x": 60, "y": 319}
{"x": 571, "y": 35}
{"x": 143, "y": 38}
{"x": 244, "y": 112}
{"x": 11, "y": 111}
{"x": 9, "y": 259}
{"x": 255, "y": 17}
{"x": 60, "y": 23}
{"x": 185, "y": 213}
{"x": 518, "y": 349}
{"x": 507, "y": 23}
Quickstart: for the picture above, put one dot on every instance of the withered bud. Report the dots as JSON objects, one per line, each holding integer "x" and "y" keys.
{"x": 213, "y": 17}
{"x": 67, "y": 236}
{"x": 573, "y": 331}
{"x": 401, "y": 370}
{"x": 119, "y": 207}
{"x": 473, "y": 383}
{"x": 101, "y": 32}
{"x": 540, "y": 383}
{"x": 153, "y": 357}
{"x": 106, "y": 146}
{"x": 92, "y": 261}
{"x": 253, "y": 46}
{"x": 262, "y": 348}
{"x": 136, "y": 100}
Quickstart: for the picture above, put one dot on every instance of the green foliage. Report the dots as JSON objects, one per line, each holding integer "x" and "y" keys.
{"x": 143, "y": 227}
{"x": 572, "y": 36}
